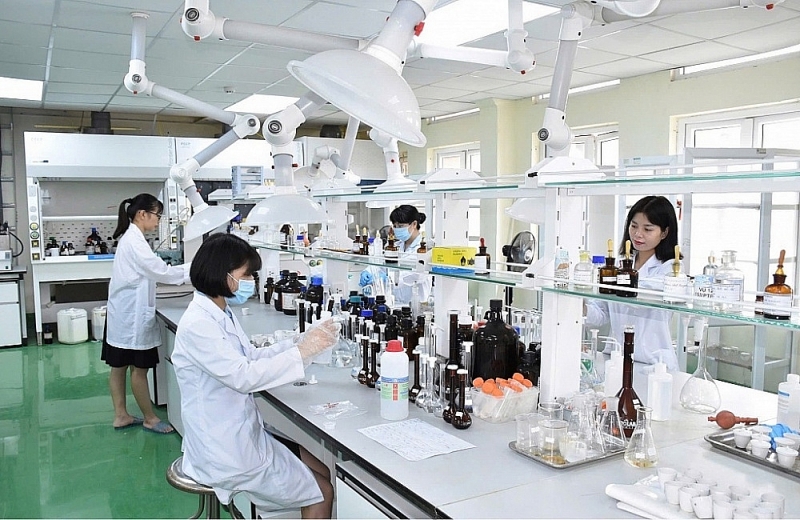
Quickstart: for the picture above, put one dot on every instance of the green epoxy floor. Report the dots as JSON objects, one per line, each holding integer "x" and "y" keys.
{"x": 59, "y": 455}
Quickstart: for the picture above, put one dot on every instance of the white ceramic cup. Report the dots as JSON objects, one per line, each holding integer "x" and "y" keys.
{"x": 686, "y": 494}
{"x": 761, "y": 437}
{"x": 720, "y": 496}
{"x": 759, "y": 449}
{"x": 775, "y": 498}
{"x": 776, "y": 509}
{"x": 671, "y": 491}
{"x": 704, "y": 489}
{"x": 245, "y": 311}
{"x": 685, "y": 480}
{"x": 723, "y": 510}
{"x": 666, "y": 475}
{"x": 763, "y": 429}
{"x": 794, "y": 437}
{"x": 743, "y": 515}
{"x": 696, "y": 474}
{"x": 761, "y": 512}
{"x": 708, "y": 482}
{"x": 739, "y": 492}
{"x": 745, "y": 503}
{"x": 742, "y": 437}
{"x": 783, "y": 441}
{"x": 786, "y": 456}
{"x": 703, "y": 507}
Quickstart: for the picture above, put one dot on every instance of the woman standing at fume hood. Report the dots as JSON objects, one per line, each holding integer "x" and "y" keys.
{"x": 132, "y": 336}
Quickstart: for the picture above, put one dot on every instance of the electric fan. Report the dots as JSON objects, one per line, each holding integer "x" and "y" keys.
{"x": 520, "y": 251}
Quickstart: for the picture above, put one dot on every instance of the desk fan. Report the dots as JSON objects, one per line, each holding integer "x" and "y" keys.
{"x": 519, "y": 251}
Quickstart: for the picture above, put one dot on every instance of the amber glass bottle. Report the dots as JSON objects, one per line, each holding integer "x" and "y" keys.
{"x": 461, "y": 419}
{"x": 608, "y": 273}
{"x": 496, "y": 349}
{"x": 778, "y": 294}
{"x": 627, "y": 276}
{"x": 483, "y": 260}
{"x": 391, "y": 253}
{"x": 628, "y": 399}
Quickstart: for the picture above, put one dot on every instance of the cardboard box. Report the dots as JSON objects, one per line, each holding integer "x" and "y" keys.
{"x": 455, "y": 256}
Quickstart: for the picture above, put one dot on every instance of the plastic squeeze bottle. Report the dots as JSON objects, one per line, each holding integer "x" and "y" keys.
{"x": 659, "y": 392}
{"x": 394, "y": 382}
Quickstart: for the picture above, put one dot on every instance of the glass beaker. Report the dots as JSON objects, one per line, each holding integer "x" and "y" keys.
{"x": 527, "y": 432}
{"x": 641, "y": 451}
{"x": 700, "y": 393}
{"x": 551, "y": 410}
{"x": 552, "y": 433}
{"x": 611, "y": 427}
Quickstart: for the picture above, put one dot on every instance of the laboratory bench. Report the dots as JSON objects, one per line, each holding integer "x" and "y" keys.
{"x": 489, "y": 480}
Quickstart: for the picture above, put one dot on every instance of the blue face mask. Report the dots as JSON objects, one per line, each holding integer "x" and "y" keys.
{"x": 402, "y": 233}
{"x": 243, "y": 293}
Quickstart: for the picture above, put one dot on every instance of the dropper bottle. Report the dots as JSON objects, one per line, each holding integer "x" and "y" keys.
{"x": 675, "y": 283}
{"x": 608, "y": 273}
{"x": 627, "y": 276}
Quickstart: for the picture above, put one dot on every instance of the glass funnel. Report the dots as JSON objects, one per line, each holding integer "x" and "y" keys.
{"x": 700, "y": 393}
{"x": 641, "y": 451}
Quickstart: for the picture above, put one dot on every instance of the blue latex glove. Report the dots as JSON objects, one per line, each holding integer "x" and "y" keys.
{"x": 366, "y": 278}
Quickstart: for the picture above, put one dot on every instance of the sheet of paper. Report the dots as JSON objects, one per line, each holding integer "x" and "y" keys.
{"x": 414, "y": 439}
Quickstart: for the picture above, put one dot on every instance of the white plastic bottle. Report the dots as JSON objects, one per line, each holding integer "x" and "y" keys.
{"x": 659, "y": 392}
{"x": 613, "y": 373}
{"x": 394, "y": 382}
{"x": 789, "y": 402}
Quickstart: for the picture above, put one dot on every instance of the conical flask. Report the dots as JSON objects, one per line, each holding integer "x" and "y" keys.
{"x": 582, "y": 440}
{"x": 700, "y": 393}
{"x": 641, "y": 451}
{"x": 611, "y": 427}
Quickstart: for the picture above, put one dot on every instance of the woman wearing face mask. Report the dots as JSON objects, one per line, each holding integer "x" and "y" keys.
{"x": 132, "y": 336}
{"x": 225, "y": 443}
{"x": 652, "y": 228}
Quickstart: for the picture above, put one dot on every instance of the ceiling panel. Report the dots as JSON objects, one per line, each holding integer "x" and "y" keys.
{"x": 501, "y": 74}
{"x": 627, "y": 67}
{"x": 448, "y": 107}
{"x": 187, "y": 49}
{"x": 521, "y": 90}
{"x": 585, "y": 57}
{"x": 418, "y": 77}
{"x": 24, "y": 34}
{"x": 22, "y": 70}
{"x": 439, "y": 93}
{"x": 59, "y": 97}
{"x": 456, "y": 67}
{"x": 147, "y": 6}
{"x": 472, "y": 83}
{"x": 22, "y": 54}
{"x": 249, "y": 75}
{"x": 274, "y": 12}
{"x": 91, "y": 61}
{"x": 640, "y": 39}
{"x": 158, "y": 67}
{"x": 82, "y": 76}
{"x": 350, "y": 21}
{"x": 703, "y": 52}
{"x": 715, "y": 24}
{"x": 92, "y": 17}
{"x": 53, "y": 87}
{"x": 92, "y": 41}
{"x": 27, "y": 11}
{"x": 268, "y": 57}
{"x": 771, "y": 37}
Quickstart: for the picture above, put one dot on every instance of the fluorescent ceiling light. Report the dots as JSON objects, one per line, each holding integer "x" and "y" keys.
{"x": 13, "y": 88}
{"x": 587, "y": 88}
{"x": 262, "y": 104}
{"x": 442, "y": 117}
{"x": 464, "y": 21}
{"x": 739, "y": 61}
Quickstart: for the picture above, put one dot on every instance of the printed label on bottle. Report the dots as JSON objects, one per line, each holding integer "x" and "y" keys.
{"x": 624, "y": 279}
{"x": 390, "y": 256}
{"x": 288, "y": 300}
{"x": 674, "y": 287}
{"x": 608, "y": 280}
{"x": 394, "y": 388}
{"x": 778, "y": 300}
{"x": 731, "y": 291}
{"x": 480, "y": 265}
{"x": 628, "y": 424}
{"x": 582, "y": 276}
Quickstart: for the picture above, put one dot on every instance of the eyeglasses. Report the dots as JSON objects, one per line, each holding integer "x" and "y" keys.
{"x": 158, "y": 215}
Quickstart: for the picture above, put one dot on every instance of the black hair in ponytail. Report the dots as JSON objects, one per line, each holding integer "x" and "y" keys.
{"x": 141, "y": 202}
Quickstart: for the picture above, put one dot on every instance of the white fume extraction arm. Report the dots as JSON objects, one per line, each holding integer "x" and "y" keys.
{"x": 517, "y": 57}
{"x": 395, "y": 180}
{"x": 137, "y": 82}
{"x": 575, "y": 18}
{"x": 343, "y": 181}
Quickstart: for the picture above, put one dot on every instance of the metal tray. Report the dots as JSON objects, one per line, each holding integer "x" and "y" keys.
{"x": 724, "y": 441}
{"x": 540, "y": 460}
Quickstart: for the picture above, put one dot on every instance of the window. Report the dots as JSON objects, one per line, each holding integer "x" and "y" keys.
{"x": 466, "y": 156}
{"x": 600, "y": 145}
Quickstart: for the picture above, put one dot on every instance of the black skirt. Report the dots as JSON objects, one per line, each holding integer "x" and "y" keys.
{"x": 122, "y": 357}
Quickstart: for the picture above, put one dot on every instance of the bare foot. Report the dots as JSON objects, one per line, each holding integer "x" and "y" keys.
{"x": 158, "y": 426}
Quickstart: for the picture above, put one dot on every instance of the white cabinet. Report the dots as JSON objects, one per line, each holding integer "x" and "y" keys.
{"x": 10, "y": 330}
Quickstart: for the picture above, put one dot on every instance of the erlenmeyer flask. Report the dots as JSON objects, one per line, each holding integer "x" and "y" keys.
{"x": 611, "y": 427}
{"x": 700, "y": 393}
{"x": 581, "y": 441}
{"x": 641, "y": 451}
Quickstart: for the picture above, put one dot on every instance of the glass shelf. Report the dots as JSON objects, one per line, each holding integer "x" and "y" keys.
{"x": 495, "y": 187}
{"x": 745, "y": 317}
{"x": 669, "y": 183}
{"x": 509, "y": 278}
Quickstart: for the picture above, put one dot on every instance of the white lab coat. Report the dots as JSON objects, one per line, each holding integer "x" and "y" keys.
{"x": 404, "y": 288}
{"x": 131, "y": 310}
{"x": 651, "y": 326}
{"x": 225, "y": 445}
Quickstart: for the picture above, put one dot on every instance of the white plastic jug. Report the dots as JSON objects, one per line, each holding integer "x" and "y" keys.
{"x": 72, "y": 326}
{"x": 98, "y": 323}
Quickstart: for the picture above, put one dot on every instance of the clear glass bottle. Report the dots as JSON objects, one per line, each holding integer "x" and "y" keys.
{"x": 483, "y": 261}
{"x": 610, "y": 426}
{"x": 608, "y": 273}
{"x": 583, "y": 271}
{"x": 627, "y": 276}
{"x": 676, "y": 282}
{"x": 628, "y": 399}
{"x": 729, "y": 283}
{"x": 461, "y": 419}
{"x": 778, "y": 294}
{"x": 700, "y": 393}
{"x": 641, "y": 451}
{"x": 496, "y": 349}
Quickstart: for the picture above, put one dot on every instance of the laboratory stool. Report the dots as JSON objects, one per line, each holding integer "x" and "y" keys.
{"x": 208, "y": 499}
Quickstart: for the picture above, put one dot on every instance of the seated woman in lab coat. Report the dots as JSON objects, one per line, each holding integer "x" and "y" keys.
{"x": 406, "y": 221}
{"x": 652, "y": 228}
{"x": 132, "y": 335}
{"x": 226, "y": 445}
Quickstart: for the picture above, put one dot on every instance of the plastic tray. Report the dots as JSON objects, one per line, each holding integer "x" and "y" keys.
{"x": 540, "y": 460}
{"x": 724, "y": 441}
